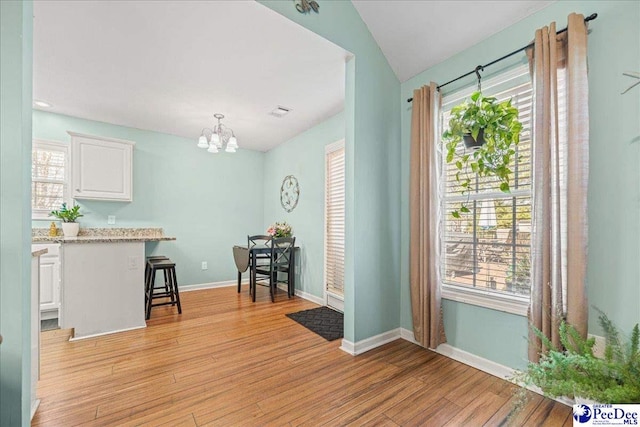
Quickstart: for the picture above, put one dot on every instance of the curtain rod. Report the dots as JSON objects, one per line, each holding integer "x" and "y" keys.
{"x": 482, "y": 67}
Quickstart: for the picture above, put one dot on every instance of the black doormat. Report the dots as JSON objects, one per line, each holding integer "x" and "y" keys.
{"x": 327, "y": 323}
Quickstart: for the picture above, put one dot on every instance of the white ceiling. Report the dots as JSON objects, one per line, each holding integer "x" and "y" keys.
{"x": 168, "y": 66}
{"x": 415, "y": 35}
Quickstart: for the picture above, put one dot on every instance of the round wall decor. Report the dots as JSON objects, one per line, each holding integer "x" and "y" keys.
{"x": 289, "y": 193}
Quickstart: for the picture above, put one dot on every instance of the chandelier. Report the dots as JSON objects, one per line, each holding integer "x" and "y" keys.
{"x": 216, "y": 138}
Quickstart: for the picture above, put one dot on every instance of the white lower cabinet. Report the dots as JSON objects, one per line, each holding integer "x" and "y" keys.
{"x": 49, "y": 281}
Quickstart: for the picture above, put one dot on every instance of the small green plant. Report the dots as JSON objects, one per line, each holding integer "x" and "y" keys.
{"x": 67, "y": 215}
{"x": 574, "y": 370}
{"x": 498, "y": 125}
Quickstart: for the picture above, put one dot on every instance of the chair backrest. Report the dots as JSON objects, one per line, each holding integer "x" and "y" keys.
{"x": 259, "y": 240}
{"x": 281, "y": 250}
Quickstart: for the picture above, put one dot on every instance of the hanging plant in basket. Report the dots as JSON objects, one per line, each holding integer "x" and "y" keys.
{"x": 490, "y": 131}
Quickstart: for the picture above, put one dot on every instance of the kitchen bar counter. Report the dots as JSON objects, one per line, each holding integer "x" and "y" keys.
{"x": 100, "y": 239}
{"x": 103, "y": 235}
{"x": 102, "y": 287}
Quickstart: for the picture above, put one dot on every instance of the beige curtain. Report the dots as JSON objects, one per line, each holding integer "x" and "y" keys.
{"x": 424, "y": 208}
{"x": 560, "y": 176}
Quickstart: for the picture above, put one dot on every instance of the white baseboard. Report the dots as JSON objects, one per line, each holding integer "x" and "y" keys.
{"x": 303, "y": 294}
{"x": 480, "y": 363}
{"x": 407, "y": 335}
{"x": 210, "y": 285}
{"x": 369, "y": 343}
{"x": 72, "y": 339}
{"x": 309, "y": 297}
{"x": 475, "y": 361}
{"x": 34, "y": 407}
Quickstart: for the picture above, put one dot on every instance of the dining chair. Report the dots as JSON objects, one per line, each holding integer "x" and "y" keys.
{"x": 281, "y": 265}
{"x": 259, "y": 255}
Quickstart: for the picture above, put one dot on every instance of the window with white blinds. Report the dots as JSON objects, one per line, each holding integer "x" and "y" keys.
{"x": 49, "y": 171}
{"x": 487, "y": 252}
{"x": 334, "y": 218}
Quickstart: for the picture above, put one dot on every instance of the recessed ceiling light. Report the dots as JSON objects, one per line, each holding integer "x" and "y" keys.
{"x": 42, "y": 104}
{"x": 280, "y": 111}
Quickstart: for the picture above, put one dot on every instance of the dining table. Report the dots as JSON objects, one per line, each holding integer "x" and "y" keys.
{"x": 245, "y": 257}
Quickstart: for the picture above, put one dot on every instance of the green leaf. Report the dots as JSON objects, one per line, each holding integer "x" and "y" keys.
{"x": 459, "y": 165}
{"x": 475, "y": 96}
{"x": 464, "y": 209}
{"x": 455, "y": 214}
{"x": 504, "y": 187}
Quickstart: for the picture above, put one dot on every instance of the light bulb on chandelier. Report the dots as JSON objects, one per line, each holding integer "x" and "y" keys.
{"x": 218, "y": 137}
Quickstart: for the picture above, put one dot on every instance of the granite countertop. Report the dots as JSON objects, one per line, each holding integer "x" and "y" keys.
{"x": 39, "y": 252}
{"x": 102, "y": 235}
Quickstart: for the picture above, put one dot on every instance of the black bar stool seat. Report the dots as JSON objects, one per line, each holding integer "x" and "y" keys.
{"x": 168, "y": 291}
{"x": 147, "y": 271}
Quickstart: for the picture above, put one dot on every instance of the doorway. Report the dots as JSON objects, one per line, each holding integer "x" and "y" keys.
{"x": 334, "y": 224}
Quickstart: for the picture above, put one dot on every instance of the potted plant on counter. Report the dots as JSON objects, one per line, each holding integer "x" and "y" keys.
{"x": 70, "y": 227}
{"x": 574, "y": 371}
{"x": 491, "y": 130}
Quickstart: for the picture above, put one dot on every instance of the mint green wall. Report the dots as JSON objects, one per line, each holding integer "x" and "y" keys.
{"x": 16, "y": 43}
{"x": 208, "y": 202}
{"x": 614, "y": 187}
{"x": 372, "y": 263}
{"x": 303, "y": 156}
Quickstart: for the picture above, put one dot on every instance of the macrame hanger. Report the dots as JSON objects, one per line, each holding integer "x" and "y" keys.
{"x": 477, "y": 70}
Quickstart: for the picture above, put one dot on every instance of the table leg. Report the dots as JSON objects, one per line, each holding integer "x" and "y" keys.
{"x": 292, "y": 272}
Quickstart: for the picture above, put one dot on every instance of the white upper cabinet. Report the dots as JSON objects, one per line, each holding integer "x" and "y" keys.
{"x": 101, "y": 168}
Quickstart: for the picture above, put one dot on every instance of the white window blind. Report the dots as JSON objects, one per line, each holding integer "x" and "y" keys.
{"x": 48, "y": 177}
{"x": 487, "y": 251}
{"x": 335, "y": 218}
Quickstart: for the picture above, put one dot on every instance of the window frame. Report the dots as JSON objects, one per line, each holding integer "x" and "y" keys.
{"x": 43, "y": 144}
{"x": 500, "y": 301}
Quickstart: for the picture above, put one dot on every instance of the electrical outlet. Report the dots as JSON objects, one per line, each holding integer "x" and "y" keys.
{"x": 133, "y": 263}
{"x": 204, "y": 265}
{"x": 111, "y": 219}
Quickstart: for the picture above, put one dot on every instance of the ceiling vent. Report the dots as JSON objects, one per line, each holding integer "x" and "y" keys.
{"x": 280, "y": 111}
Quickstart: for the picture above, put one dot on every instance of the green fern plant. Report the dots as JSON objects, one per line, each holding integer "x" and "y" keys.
{"x": 574, "y": 370}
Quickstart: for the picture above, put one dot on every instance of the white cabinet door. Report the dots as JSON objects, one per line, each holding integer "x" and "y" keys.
{"x": 49, "y": 283}
{"x": 50, "y": 280}
{"x": 101, "y": 168}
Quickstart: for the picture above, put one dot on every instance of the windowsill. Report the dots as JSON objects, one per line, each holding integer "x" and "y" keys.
{"x": 491, "y": 300}
{"x": 42, "y": 217}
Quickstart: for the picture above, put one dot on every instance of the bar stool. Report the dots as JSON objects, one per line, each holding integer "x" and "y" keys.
{"x": 170, "y": 289}
{"x": 147, "y": 271}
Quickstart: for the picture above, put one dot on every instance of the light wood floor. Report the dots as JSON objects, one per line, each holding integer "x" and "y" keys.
{"x": 228, "y": 361}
